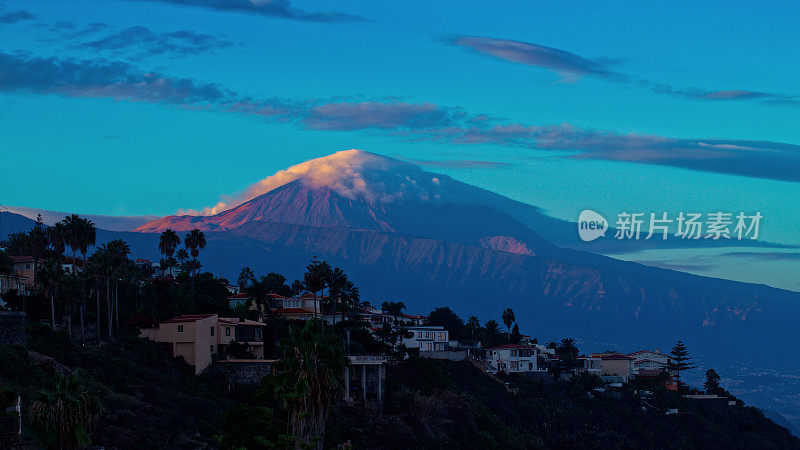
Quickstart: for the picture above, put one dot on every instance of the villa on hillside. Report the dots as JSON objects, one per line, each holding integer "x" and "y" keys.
{"x": 203, "y": 339}
{"x": 427, "y": 338}
{"x": 513, "y": 358}
{"x": 301, "y": 307}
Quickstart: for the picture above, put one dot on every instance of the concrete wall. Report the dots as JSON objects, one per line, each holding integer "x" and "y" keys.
{"x": 243, "y": 371}
{"x": 12, "y": 328}
{"x": 449, "y": 355}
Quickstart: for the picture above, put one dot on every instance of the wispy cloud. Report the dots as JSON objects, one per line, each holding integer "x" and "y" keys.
{"x": 397, "y": 118}
{"x": 140, "y": 42}
{"x": 572, "y": 67}
{"x": 271, "y": 8}
{"x": 568, "y": 65}
{"x": 102, "y": 79}
{"x": 15, "y": 16}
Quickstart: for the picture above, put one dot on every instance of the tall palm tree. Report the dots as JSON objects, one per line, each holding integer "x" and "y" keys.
{"x": 508, "y": 320}
{"x": 472, "y": 325}
{"x": 337, "y": 281}
{"x": 306, "y": 380}
{"x": 492, "y": 331}
{"x": 195, "y": 241}
{"x": 37, "y": 243}
{"x": 58, "y": 236}
{"x": 118, "y": 251}
{"x": 99, "y": 269}
{"x": 50, "y": 274}
{"x": 64, "y": 416}
{"x": 182, "y": 255}
{"x": 245, "y": 277}
{"x": 315, "y": 278}
{"x": 73, "y": 225}
{"x": 88, "y": 238}
{"x": 167, "y": 243}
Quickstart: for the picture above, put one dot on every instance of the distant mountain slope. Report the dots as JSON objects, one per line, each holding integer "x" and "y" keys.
{"x": 113, "y": 223}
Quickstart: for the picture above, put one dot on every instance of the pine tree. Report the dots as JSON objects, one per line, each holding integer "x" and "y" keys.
{"x": 680, "y": 359}
{"x": 712, "y": 382}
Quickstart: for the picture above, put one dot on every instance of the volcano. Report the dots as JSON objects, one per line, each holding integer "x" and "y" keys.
{"x": 429, "y": 240}
{"x": 357, "y": 190}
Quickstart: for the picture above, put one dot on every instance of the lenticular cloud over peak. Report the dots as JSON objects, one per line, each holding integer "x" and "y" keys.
{"x": 354, "y": 174}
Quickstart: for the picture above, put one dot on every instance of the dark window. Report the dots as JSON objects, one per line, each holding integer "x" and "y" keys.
{"x": 227, "y": 331}
{"x": 180, "y": 328}
{"x": 212, "y": 331}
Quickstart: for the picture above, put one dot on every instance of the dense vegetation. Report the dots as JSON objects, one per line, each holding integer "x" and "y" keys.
{"x": 444, "y": 404}
{"x": 146, "y": 399}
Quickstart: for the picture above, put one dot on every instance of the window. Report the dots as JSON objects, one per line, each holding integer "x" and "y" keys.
{"x": 27, "y": 266}
{"x": 212, "y": 349}
{"x": 180, "y": 328}
{"x": 419, "y": 334}
{"x": 212, "y": 331}
{"x": 227, "y": 331}
{"x": 513, "y": 353}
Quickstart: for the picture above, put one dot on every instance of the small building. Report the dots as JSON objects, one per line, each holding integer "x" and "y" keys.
{"x": 513, "y": 358}
{"x": 202, "y": 339}
{"x": 615, "y": 367}
{"x": 13, "y": 281}
{"x": 588, "y": 364}
{"x": 649, "y": 362}
{"x": 365, "y": 378}
{"x": 426, "y": 338}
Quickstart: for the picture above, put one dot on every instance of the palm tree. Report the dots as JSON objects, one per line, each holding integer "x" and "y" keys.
{"x": 472, "y": 325}
{"x": 492, "y": 331}
{"x": 337, "y": 283}
{"x": 88, "y": 238}
{"x": 167, "y": 243}
{"x": 508, "y": 320}
{"x": 50, "y": 274}
{"x": 58, "y": 236}
{"x": 118, "y": 252}
{"x": 63, "y": 417}
{"x": 99, "y": 268}
{"x": 245, "y": 277}
{"x": 37, "y": 243}
{"x": 306, "y": 380}
{"x": 315, "y": 278}
{"x": 195, "y": 241}
{"x": 182, "y": 255}
{"x": 73, "y": 225}
{"x": 567, "y": 352}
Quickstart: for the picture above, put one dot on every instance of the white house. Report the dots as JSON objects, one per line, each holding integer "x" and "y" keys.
{"x": 648, "y": 362}
{"x": 427, "y": 338}
{"x": 513, "y": 358}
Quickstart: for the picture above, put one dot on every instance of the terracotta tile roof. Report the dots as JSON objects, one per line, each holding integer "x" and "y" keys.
{"x": 189, "y": 318}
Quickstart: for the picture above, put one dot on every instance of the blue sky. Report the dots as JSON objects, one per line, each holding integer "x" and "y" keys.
{"x": 151, "y": 106}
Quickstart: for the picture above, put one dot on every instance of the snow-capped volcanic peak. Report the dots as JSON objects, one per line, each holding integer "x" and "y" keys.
{"x": 353, "y": 174}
